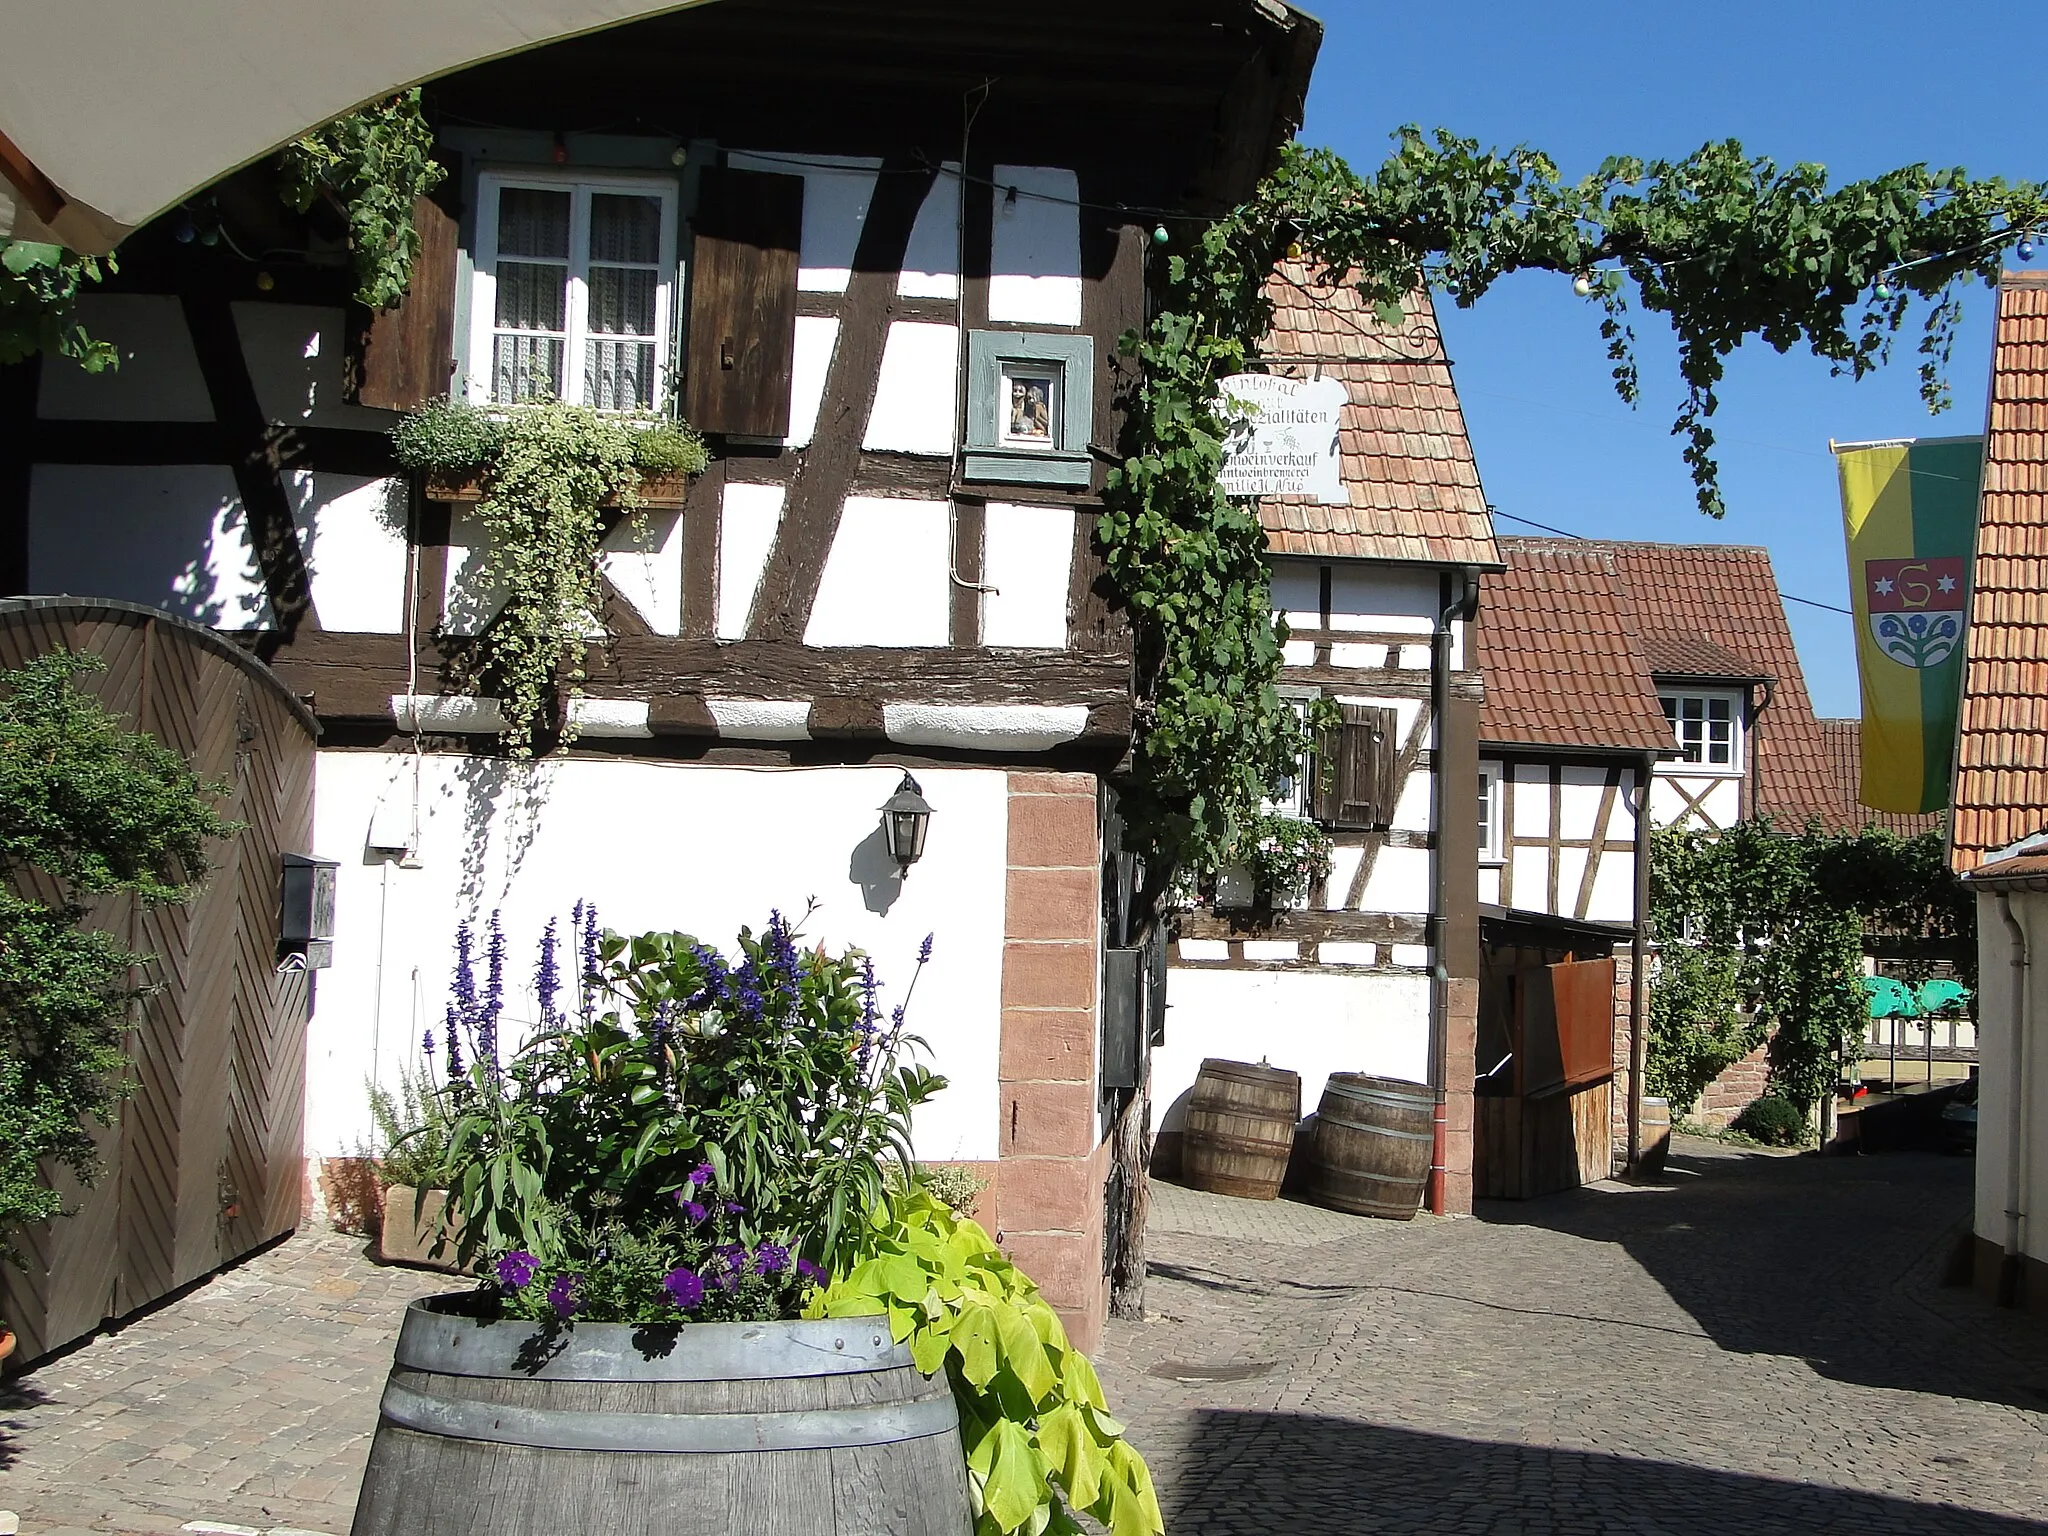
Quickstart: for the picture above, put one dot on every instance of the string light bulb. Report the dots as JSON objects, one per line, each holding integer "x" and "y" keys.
{"x": 1884, "y": 290}
{"x": 1160, "y": 236}
{"x": 1582, "y": 285}
{"x": 2025, "y": 249}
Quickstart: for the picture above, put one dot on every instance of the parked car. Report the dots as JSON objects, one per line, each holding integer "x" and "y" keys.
{"x": 1959, "y": 1119}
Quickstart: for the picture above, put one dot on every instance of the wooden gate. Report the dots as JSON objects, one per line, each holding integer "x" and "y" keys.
{"x": 1552, "y": 1128}
{"x": 206, "y": 1160}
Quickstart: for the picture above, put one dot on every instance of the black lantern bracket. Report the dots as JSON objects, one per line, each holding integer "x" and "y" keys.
{"x": 906, "y": 818}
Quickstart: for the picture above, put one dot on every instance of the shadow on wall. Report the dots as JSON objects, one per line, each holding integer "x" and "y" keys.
{"x": 874, "y": 869}
{"x": 1302, "y": 1473}
{"x": 1828, "y": 1260}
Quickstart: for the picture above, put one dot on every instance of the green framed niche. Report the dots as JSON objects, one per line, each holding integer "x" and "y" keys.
{"x": 1030, "y": 407}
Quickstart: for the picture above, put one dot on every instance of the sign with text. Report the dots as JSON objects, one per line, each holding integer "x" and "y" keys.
{"x": 1283, "y": 440}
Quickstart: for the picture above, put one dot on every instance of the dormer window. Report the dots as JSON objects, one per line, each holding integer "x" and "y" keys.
{"x": 574, "y": 290}
{"x": 1708, "y": 728}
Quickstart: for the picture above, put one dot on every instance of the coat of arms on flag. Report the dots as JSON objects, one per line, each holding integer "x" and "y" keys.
{"x": 1916, "y": 608}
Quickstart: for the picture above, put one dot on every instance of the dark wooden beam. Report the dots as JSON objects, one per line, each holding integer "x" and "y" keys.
{"x": 1309, "y": 927}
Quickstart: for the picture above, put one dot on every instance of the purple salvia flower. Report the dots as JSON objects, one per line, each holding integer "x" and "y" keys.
{"x": 547, "y": 977}
{"x": 591, "y": 970}
{"x": 896, "y": 1017}
{"x": 703, "y": 1173}
{"x": 732, "y": 1264}
{"x": 427, "y": 1044}
{"x": 810, "y": 1271}
{"x": 685, "y": 1287}
{"x": 734, "y": 1208}
{"x": 493, "y": 1005}
{"x": 924, "y": 951}
{"x": 517, "y": 1269}
{"x": 465, "y": 973}
{"x": 698, "y": 1214}
{"x": 562, "y": 1295}
{"x": 770, "y": 1259}
{"x": 454, "y": 1046}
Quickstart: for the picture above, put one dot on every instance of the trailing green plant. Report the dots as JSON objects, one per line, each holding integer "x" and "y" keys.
{"x": 374, "y": 164}
{"x": 736, "y": 1116}
{"x": 1039, "y": 1437}
{"x": 1774, "y": 1121}
{"x": 93, "y": 810}
{"x": 544, "y": 470}
{"x": 39, "y": 288}
{"x": 1284, "y": 854}
{"x": 1778, "y": 922}
{"x": 1724, "y": 245}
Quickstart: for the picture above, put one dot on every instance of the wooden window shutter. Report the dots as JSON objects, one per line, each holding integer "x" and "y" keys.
{"x": 1354, "y": 782}
{"x": 404, "y": 356}
{"x": 742, "y": 345}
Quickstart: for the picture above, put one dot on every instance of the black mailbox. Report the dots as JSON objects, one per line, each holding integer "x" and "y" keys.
{"x": 305, "y": 928}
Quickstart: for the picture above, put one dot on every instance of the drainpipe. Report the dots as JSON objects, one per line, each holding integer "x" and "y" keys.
{"x": 1639, "y": 977}
{"x": 1462, "y": 605}
{"x": 1756, "y": 774}
{"x": 2015, "y": 1114}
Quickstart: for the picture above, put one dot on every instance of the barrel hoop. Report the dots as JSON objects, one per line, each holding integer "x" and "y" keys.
{"x": 1373, "y": 1130}
{"x": 813, "y": 1429}
{"x": 450, "y": 1345}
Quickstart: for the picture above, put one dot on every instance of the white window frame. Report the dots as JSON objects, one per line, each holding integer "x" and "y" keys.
{"x": 483, "y": 291}
{"x": 1492, "y": 847}
{"x": 1298, "y": 801}
{"x": 1737, "y": 745}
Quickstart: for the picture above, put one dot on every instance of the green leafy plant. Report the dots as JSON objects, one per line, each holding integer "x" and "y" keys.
{"x": 39, "y": 288}
{"x": 1774, "y": 1121}
{"x": 374, "y": 164}
{"x": 545, "y": 471}
{"x": 1284, "y": 854}
{"x": 412, "y": 1125}
{"x": 735, "y": 1115}
{"x": 1039, "y": 1436}
{"x": 94, "y": 810}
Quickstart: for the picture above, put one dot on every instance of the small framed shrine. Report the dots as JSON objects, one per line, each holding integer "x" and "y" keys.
{"x": 1030, "y": 404}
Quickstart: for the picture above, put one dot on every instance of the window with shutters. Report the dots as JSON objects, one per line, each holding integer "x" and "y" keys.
{"x": 574, "y": 290}
{"x": 1354, "y": 784}
{"x": 746, "y": 237}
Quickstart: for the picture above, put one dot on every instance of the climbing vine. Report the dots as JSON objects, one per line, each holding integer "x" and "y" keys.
{"x": 374, "y": 164}
{"x": 544, "y": 472}
{"x": 1762, "y": 938}
{"x": 1724, "y": 245}
{"x": 39, "y": 288}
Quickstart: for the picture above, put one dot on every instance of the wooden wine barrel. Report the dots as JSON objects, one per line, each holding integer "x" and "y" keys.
{"x": 1240, "y": 1129}
{"x": 516, "y": 1429}
{"x": 1656, "y": 1138}
{"x": 1369, "y": 1152}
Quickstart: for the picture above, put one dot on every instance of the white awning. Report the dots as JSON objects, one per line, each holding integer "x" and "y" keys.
{"x": 112, "y": 111}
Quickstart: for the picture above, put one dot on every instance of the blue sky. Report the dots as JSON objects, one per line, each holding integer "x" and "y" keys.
{"x": 1860, "y": 88}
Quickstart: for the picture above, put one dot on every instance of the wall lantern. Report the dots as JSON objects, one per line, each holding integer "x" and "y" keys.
{"x": 906, "y": 817}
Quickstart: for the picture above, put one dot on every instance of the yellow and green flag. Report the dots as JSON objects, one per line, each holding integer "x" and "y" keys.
{"x": 1911, "y": 513}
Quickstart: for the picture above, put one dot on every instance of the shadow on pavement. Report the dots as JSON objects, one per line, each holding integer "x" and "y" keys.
{"x": 1821, "y": 1259}
{"x": 15, "y": 1397}
{"x": 1296, "y": 1473}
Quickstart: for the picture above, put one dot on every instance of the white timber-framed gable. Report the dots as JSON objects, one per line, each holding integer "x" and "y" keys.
{"x": 1704, "y": 784}
{"x": 1566, "y": 834}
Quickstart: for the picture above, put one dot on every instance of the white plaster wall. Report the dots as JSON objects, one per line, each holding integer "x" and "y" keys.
{"x": 1571, "y": 871}
{"x": 1614, "y": 888}
{"x": 1489, "y": 884}
{"x": 1028, "y": 557}
{"x": 931, "y": 264}
{"x": 887, "y": 580}
{"x": 1394, "y": 599}
{"x": 352, "y": 535}
{"x": 1399, "y": 882}
{"x": 1579, "y": 802}
{"x": 1298, "y": 653}
{"x": 1308, "y": 1022}
{"x": 810, "y": 366}
{"x": 710, "y": 849}
{"x": 1297, "y": 592}
{"x": 915, "y": 397}
{"x": 295, "y": 354}
{"x": 748, "y": 518}
{"x": 1995, "y": 1089}
{"x": 1532, "y": 879}
{"x": 1722, "y": 802}
{"x": 1532, "y": 802}
{"x": 1035, "y": 272}
{"x": 1415, "y": 808}
{"x": 643, "y": 557}
{"x": 158, "y": 379}
{"x": 837, "y": 191}
{"x": 468, "y": 599}
{"x": 171, "y": 536}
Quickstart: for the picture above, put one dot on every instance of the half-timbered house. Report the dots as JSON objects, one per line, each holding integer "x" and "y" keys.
{"x": 1377, "y": 971}
{"x": 850, "y": 239}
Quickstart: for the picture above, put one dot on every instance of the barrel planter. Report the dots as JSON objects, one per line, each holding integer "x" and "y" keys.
{"x": 1240, "y": 1129}
{"x": 1655, "y": 1138}
{"x": 1369, "y": 1151}
{"x": 514, "y": 1428}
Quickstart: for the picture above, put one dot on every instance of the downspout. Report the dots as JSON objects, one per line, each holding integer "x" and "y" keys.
{"x": 1463, "y": 605}
{"x": 1756, "y": 772}
{"x": 2015, "y": 1122}
{"x": 1639, "y": 979}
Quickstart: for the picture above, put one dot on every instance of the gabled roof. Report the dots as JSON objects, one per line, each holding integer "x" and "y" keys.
{"x": 1563, "y": 663}
{"x": 1697, "y": 656}
{"x": 1844, "y": 742}
{"x": 2001, "y": 783}
{"x": 1407, "y": 461}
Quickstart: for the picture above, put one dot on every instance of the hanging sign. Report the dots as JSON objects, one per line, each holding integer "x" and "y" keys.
{"x": 1283, "y": 439}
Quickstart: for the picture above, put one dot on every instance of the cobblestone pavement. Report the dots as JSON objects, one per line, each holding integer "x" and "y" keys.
{"x": 1759, "y": 1346}
{"x": 247, "y": 1402}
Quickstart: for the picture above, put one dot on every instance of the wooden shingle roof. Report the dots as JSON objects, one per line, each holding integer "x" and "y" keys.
{"x": 1563, "y": 662}
{"x": 1407, "y": 461}
{"x": 2001, "y": 784}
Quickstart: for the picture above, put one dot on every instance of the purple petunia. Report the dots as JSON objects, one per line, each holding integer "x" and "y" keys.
{"x": 685, "y": 1287}
{"x": 734, "y": 1208}
{"x": 770, "y": 1259}
{"x": 703, "y": 1173}
{"x": 562, "y": 1295}
{"x": 732, "y": 1264}
{"x": 810, "y": 1271}
{"x": 517, "y": 1269}
{"x": 698, "y": 1214}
